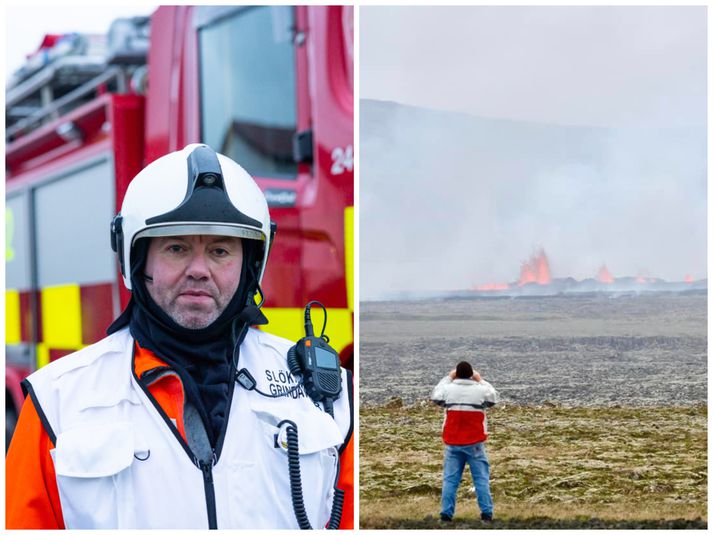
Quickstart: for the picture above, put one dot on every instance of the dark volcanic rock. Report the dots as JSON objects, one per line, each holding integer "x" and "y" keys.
{"x": 635, "y": 350}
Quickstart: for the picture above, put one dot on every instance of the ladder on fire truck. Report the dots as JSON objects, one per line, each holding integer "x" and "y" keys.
{"x": 70, "y": 70}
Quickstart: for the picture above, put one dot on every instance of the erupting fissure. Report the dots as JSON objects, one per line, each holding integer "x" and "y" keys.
{"x": 535, "y": 269}
{"x": 604, "y": 275}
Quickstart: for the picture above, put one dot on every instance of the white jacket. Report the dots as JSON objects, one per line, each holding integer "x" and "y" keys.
{"x": 464, "y": 392}
{"x": 119, "y": 465}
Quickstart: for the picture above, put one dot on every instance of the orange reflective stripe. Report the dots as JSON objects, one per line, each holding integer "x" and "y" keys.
{"x": 168, "y": 393}
{"x": 31, "y": 495}
{"x": 167, "y": 390}
{"x": 346, "y": 483}
{"x": 145, "y": 360}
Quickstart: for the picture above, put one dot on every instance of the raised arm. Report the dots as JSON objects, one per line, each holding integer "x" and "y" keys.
{"x": 439, "y": 392}
{"x": 491, "y": 395}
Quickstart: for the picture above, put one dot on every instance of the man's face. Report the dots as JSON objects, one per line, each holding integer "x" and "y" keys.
{"x": 194, "y": 277}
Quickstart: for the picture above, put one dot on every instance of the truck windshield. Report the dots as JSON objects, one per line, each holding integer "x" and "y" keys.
{"x": 248, "y": 89}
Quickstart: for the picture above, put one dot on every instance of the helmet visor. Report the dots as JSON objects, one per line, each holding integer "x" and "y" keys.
{"x": 194, "y": 229}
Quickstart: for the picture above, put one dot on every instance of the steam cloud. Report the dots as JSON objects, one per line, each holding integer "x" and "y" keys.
{"x": 449, "y": 200}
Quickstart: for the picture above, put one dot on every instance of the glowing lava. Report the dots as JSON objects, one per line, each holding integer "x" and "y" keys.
{"x": 527, "y": 274}
{"x": 535, "y": 269}
{"x": 491, "y": 287}
{"x": 604, "y": 275}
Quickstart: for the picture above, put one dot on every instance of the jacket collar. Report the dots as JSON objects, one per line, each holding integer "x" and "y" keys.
{"x": 459, "y": 381}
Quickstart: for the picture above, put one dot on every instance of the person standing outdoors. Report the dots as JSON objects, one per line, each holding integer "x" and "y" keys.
{"x": 172, "y": 420}
{"x": 465, "y": 396}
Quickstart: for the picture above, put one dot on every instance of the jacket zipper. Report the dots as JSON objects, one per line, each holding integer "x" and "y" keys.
{"x": 207, "y": 469}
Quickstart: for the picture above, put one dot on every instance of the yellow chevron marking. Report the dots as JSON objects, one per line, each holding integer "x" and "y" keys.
{"x": 12, "y": 317}
{"x": 289, "y": 323}
{"x": 61, "y": 316}
{"x": 349, "y": 254}
{"x": 43, "y": 355}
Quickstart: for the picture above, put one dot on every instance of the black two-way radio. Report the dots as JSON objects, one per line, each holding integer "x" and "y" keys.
{"x": 312, "y": 359}
{"x": 317, "y": 363}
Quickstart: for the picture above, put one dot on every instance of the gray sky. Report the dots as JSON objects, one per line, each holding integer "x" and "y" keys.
{"x": 580, "y": 130}
{"x": 606, "y": 66}
{"x": 26, "y": 25}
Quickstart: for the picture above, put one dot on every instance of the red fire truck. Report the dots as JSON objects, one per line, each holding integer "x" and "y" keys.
{"x": 271, "y": 87}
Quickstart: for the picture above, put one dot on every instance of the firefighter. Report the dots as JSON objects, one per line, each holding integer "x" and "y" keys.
{"x": 465, "y": 395}
{"x": 149, "y": 427}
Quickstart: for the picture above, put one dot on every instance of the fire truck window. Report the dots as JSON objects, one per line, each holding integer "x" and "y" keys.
{"x": 248, "y": 89}
{"x": 17, "y": 243}
{"x": 73, "y": 214}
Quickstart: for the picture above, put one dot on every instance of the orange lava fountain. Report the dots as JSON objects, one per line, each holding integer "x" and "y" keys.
{"x": 535, "y": 269}
{"x": 604, "y": 275}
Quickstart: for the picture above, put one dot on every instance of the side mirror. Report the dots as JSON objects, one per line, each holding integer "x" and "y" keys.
{"x": 302, "y": 149}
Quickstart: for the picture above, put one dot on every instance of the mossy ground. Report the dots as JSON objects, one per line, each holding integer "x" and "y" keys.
{"x": 552, "y": 467}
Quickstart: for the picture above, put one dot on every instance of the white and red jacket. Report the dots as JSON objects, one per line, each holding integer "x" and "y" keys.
{"x": 96, "y": 447}
{"x": 465, "y": 401}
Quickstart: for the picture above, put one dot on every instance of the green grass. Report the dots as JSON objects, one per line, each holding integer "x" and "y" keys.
{"x": 551, "y": 467}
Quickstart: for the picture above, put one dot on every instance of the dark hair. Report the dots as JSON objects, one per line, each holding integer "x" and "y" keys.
{"x": 464, "y": 370}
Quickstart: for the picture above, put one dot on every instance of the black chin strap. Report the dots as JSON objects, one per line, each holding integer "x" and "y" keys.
{"x": 252, "y": 315}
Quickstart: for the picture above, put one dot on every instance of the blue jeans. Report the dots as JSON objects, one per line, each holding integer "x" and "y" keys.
{"x": 455, "y": 459}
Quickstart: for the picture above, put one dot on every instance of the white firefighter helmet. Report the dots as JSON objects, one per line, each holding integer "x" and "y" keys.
{"x": 188, "y": 192}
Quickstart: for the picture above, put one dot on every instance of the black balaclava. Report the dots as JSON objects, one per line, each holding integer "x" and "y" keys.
{"x": 203, "y": 358}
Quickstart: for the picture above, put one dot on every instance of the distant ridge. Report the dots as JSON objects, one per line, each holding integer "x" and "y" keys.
{"x": 567, "y": 287}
